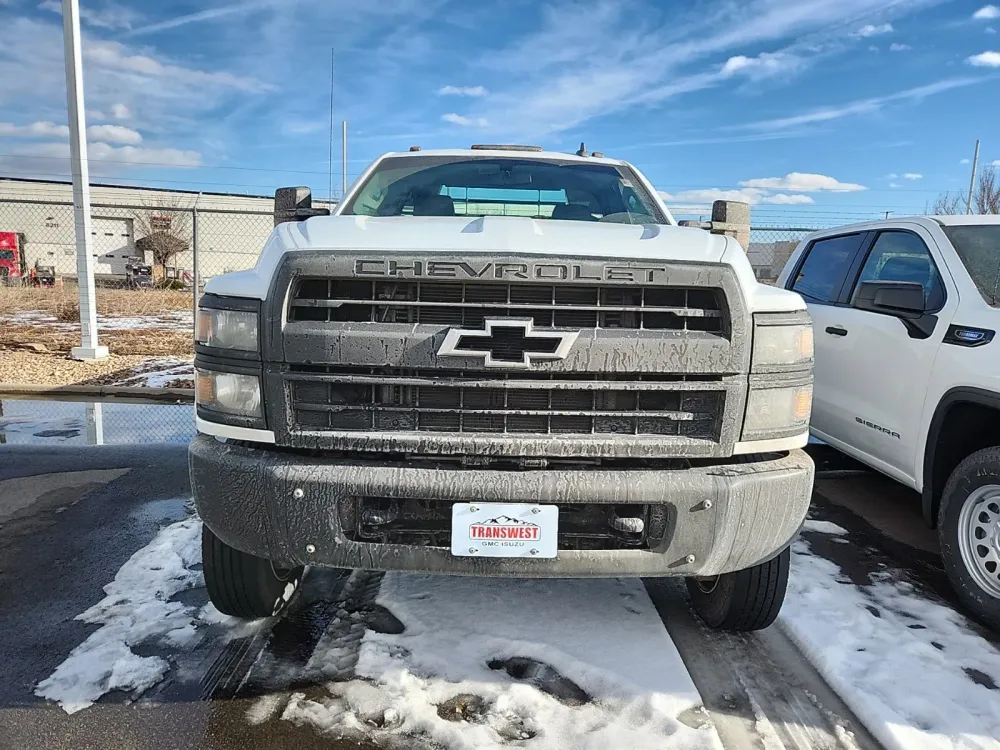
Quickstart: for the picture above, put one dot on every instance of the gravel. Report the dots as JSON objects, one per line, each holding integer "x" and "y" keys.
{"x": 23, "y": 367}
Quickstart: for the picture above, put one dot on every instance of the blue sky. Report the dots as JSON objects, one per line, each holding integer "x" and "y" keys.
{"x": 816, "y": 111}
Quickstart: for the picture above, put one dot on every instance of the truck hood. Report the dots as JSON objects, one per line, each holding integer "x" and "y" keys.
{"x": 504, "y": 235}
{"x": 500, "y": 235}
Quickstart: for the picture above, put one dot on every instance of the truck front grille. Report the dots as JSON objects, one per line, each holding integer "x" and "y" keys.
{"x": 487, "y": 403}
{"x": 468, "y": 304}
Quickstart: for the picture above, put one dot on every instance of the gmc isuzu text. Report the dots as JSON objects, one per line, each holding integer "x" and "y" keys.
{"x": 501, "y": 362}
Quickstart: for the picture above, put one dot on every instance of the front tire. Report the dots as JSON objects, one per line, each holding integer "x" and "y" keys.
{"x": 746, "y": 600}
{"x": 243, "y": 585}
{"x": 969, "y": 533}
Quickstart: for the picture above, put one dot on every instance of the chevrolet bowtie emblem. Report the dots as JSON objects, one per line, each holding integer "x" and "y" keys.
{"x": 507, "y": 342}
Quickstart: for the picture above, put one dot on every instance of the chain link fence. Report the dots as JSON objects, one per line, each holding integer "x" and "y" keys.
{"x": 150, "y": 263}
{"x": 152, "y": 260}
{"x": 78, "y": 423}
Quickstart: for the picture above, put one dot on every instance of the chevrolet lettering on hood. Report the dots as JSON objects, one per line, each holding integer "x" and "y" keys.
{"x": 538, "y": 271}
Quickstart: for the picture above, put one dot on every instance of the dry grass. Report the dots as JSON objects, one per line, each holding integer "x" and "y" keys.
{"x": 63, "y": 302}
{"x": 155, "y": 342}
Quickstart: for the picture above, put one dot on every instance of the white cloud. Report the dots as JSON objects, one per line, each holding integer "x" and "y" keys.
{"x": 913, "y": 176}
{"x": 892, "y": 176}
{"x": 120, "y": 112}
{"x": 467, "y": 122}
{"x": 996, "y": 163}
{"x": 985, "y": 60}
{"x": 692, "y": 199}
{"x": 895, "y": 185}
{"x": 987, "y": 13}
{"x": 965, "y": 161}
{"x": 116, "y": 57}
{"x": 202, "y": 15}
{"x": 870, "y": 30}
{"x": 111, "y": 16}
{"x": 462, "y": 91}
{"x": 803, "y": 182}
{"x": 105, "y": 159}
{"x": 41, "y": 129}
{"x": 990, "y": 30}
{"x": 590, "y": 58}
{"x": 873, "y": 48}
{"x": 862, "y": 106}
{"x": 765, "y": 65}
{"x": 96, "y": 114}
{"x": 788, "y": 199}
{"x": 114, "y": 134}
{"x": 896, "y": 47}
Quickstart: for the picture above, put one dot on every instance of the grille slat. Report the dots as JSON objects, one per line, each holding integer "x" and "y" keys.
{"x": 448, "y": 406}
{"x": 466, "y": 304}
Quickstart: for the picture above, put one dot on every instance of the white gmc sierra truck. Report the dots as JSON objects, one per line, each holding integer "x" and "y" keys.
{"x": 908, "y": 374}
{"x": 501, "y": 362}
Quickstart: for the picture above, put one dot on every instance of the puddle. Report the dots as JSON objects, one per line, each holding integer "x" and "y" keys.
{"x": 85, "y": 423}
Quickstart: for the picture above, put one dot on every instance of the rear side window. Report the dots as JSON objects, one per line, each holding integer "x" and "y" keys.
{"x": 903, "y": 256}
{"x": 827, "y": 262}
{"x": 978, "y": 247}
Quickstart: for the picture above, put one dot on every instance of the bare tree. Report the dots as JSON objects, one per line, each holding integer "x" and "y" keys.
{"x": 985, "y": 197}
{"x": 164, "y": 230}
{"x": 947, "y": 203}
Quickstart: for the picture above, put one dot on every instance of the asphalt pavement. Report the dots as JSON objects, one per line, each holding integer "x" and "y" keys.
{"x": 70, "y": 518}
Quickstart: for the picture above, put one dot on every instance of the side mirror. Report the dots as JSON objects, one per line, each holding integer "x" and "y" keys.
{"x": 295, "y": 204}
{"x": 901, "y": 299}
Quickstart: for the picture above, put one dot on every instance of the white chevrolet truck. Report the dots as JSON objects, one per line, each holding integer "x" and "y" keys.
{"x": 501, "y": 362}
{"x": 908, "y": 373}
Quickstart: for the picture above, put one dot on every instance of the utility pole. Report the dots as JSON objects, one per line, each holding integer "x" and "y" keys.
{"x": 887, "y": 213}
{"x": 343, "y": 159}
{"x": 972, "y": 180}
{"x": 89, "y": 348}
{"x": 329, "y": 196}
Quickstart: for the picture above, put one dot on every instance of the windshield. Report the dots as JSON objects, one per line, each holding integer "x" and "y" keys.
{"x": 979, "y": 249}
{"x": 491, "y": 186}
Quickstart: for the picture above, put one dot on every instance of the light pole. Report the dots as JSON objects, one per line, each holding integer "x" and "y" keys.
{"x": 89, "y": 348}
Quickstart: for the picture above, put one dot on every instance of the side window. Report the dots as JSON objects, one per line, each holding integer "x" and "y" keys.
{"x": 903, "y": 256}
{"x": 827, "y": 262}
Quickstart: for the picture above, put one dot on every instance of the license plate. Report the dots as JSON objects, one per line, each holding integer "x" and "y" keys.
{"x": 504, "y": 530}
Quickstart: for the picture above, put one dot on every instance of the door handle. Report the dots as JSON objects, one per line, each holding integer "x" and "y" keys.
{"x": 836, "y": 330}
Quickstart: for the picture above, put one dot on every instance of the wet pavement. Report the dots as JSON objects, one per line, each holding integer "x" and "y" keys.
{"x": 70, "y": 518}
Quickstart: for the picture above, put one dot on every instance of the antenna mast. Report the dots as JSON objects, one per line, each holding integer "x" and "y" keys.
{"x": 332, "y": 62}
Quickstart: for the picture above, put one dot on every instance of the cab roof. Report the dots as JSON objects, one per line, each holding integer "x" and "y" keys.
{"x": 507, "y": 153}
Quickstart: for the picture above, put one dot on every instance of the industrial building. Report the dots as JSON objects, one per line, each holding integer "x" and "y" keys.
{"x": 138, "y": 225}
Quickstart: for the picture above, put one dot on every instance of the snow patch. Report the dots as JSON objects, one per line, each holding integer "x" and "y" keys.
{"x": 824, "y": 527}
{"x": 136, "y": 610}
{"x": 434, "y": 680}
{"x": 898, "y": 659}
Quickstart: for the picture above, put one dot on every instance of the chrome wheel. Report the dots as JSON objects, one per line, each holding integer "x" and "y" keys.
{"x": 979, "y": 538}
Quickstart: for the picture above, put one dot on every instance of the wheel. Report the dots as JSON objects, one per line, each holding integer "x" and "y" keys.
{"x": 969, "y": 532}
{"x": 745, "y": 600}
{"x": 243, "y": 585}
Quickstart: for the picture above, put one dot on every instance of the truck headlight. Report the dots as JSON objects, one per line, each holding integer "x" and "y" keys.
{"x": 227, "y": 329}
{"x": 229, "y": 393}
{"x": 782, "y": 345}
{"x": 777, "y": 412}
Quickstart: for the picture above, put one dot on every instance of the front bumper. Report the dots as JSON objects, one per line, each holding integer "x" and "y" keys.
{"x": 284, "y": 507}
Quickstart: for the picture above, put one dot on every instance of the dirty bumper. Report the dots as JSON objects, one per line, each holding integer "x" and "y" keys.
{"x": 287, "y": 507}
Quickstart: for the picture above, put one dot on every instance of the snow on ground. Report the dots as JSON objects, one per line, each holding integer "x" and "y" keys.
{"x": 173, "y": 320}
{"x": 913, "y": 670}
{"x": 824, "y": 527}
{"x": 159, "y": 373}
{"x": 136, "y": 611}
{"x": 482, "y": 663}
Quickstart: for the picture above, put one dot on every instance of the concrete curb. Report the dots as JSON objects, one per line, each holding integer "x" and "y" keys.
{"x": 96, "y": 393}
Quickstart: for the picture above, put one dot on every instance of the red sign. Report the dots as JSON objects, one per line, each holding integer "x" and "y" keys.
{"x": 8, "y": 240}
{"x": 494, "y": 530}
